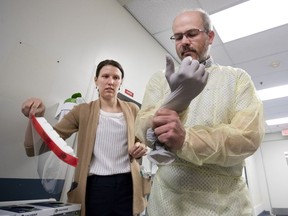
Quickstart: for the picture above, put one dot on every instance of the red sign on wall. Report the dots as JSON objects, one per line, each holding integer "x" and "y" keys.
{"x": 131, "y": 94}
{"x": 285, "y": 132}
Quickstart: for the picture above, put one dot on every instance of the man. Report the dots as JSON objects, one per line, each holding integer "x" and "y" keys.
{"x": 210, "y": 138}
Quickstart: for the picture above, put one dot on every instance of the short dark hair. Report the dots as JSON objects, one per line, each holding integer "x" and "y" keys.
{"x": 109, "y": 62}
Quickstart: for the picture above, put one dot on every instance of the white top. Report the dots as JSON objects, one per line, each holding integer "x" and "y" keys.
{"x": 110, "y": 154}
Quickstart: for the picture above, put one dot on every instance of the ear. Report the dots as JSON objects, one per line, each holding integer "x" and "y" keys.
{"x": 211, "y": 36}
{"x": 120, "y": 86}
{"x": 95, "y": 81}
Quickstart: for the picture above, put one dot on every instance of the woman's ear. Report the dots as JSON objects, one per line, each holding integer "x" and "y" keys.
{"x": 95, "y": 81}
{"x": 120, "y": 86}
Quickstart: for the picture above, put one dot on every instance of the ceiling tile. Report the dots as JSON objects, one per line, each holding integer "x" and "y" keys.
{"x": 157, "y": 15}
{"x": 215, "y": 6}
{"x": 258, "y": 45}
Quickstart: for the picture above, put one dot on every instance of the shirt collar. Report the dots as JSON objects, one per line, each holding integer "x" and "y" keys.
{"x": 208, "y": 62}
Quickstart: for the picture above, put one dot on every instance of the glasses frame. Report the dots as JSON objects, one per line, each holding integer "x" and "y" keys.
{"x": 185, "y": 34}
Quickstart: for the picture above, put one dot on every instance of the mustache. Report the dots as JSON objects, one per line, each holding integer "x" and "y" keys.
{"x": 188, "y": 49}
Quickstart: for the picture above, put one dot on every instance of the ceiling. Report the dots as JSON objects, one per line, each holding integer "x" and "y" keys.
{"x": 263, "y": 55}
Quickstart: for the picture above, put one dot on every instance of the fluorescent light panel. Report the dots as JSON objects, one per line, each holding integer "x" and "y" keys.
{"x": 277, "y": 121}
{"x": 273, "y": 93}
{"x": 249, "y": 18}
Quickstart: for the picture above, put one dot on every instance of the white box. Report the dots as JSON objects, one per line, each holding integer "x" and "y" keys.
{"x": 41, "y": 208}
{"x": 60, "y": 208}
{"x": 25, "y": 210}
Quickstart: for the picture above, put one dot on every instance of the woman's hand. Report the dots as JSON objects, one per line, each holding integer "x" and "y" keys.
{"x": 33, "y": 106}
{"x": 138, "y": 150}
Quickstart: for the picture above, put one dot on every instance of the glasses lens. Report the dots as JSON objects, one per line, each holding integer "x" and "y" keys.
{"x": 177, "y": 37}
{"x": 192, "y": 33}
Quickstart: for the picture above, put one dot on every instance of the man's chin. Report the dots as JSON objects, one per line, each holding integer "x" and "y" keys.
{"x": 189, "y": 54}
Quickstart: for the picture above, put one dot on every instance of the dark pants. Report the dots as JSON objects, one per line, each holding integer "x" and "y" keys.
{"x": 109, "y": 195}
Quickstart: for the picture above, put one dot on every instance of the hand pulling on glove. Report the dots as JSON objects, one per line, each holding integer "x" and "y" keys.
{"x": 185, "y": 85}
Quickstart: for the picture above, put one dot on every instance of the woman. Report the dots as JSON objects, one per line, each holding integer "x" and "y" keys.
{"x": 107, "y": 179}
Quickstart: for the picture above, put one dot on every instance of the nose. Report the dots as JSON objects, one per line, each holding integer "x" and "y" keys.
{"x": 185, "y": 39}
{"x": 110, "y": 80}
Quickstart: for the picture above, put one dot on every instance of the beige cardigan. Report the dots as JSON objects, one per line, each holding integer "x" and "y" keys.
{"x": 84, "y": 119}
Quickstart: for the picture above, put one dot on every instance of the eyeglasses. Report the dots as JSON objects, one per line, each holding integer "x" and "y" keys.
{"x": 188, "y": 34}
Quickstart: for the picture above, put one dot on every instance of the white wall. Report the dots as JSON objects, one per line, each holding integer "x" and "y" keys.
{"x": 276, "y": 169}
{"x": 257, "y": 182}
{"x": 50, "y": 49}
{"x": 267, "y": 172}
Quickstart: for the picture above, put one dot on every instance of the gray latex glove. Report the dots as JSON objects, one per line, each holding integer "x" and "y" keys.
{"x": 186, "y": 84}
{"x": 159, "y": 154}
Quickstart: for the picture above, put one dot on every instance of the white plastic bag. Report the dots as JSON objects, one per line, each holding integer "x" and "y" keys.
{"x": 53, "y": 155}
